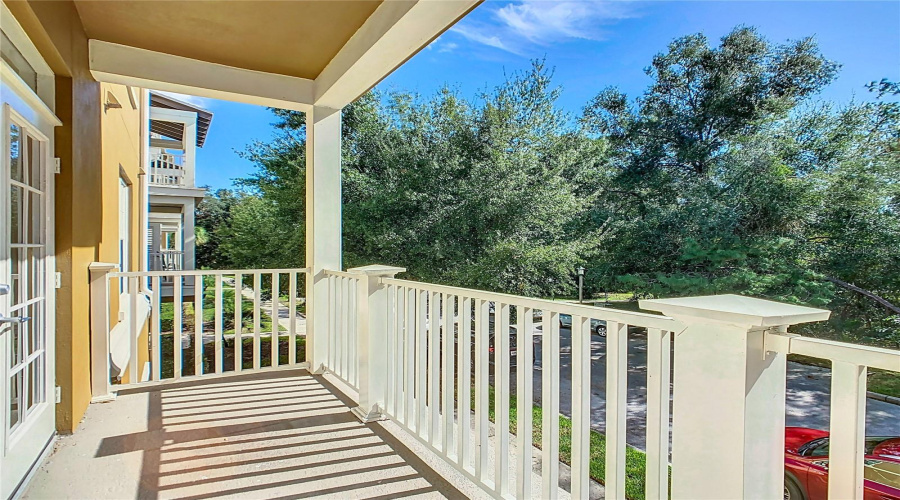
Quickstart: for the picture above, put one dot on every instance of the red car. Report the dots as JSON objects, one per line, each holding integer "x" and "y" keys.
{"x": 806, "y": 466}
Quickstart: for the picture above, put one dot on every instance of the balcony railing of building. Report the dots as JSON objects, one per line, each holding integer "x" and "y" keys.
{"x": 167, "y": 169}
{"x": 431, "y": 357}
{"x": 167, "y": 260}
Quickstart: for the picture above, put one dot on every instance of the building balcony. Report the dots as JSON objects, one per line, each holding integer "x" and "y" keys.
{"x": 230, "y": 405}
{"x": 271, "y": 434}
{"x": 167, "y": 260}
{"x": 167, "y": 169}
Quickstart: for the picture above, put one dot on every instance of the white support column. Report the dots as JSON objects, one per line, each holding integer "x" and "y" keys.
{"x": 729, "y": 395}
{"x": 323, "y": 224}
{"x": 190, "y": 150}
{"x": 188, "y": 238}
{"x": 372, "y": 339}
{"x": 100, "y": 390}
{"x": 188, "y": 244}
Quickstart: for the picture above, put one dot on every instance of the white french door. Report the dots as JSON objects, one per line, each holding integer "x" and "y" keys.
{"x": 27, "y": 265}
{"x": 27, "y": 419}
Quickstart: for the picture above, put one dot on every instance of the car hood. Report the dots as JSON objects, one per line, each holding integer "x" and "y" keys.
{"x": 795, "y": 437}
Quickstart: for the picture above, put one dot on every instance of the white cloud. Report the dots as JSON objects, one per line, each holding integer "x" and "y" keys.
{"x": 448, "y": 47}
{"x": 202, "y": 102}
{"x": 479, "y": 35}
{"x": 519, "y": 26}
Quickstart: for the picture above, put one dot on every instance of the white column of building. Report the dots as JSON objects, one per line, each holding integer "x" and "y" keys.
{"x": 189, "y": 240}
{"x": 323, "y": 223}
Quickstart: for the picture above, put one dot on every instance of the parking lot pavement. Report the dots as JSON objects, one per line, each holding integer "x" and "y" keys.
{"x": 807, "y": 402}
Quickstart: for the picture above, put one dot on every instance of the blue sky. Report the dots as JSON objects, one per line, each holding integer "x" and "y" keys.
{"x": 593, "y": 44}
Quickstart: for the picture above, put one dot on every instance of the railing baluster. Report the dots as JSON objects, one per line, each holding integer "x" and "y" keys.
{"x": 421, "y": 362}
{"x": 275, "y": 319}
{"x": 659, "y": 345}
{"x": 447, "y": 379}
{"x": 463, "y": 400}
{"x": 389, "y": 397}
{"x": 345, "y": 329}
{"x": 616, "y": 406}
{"x": 341, "y": 325}
{"x": 481, "y": 389}
{"x": 399, "y": 361}
{"x": 292, "y": 326}
{"x": 238, "y": 326}
{"x": 133, "y": 285}
{"x": 354, "y": 333}
{"x": 550, "y": 404}
{"x": 411, "y": 346}
{"x": 524, "y": 386}
{"x": 218, "y": 323}
{"x": 198, "y": 325}
{"x": 847, "y": 430}
{"x": 501, "y": 399}
{"x": 334, "y": 315}
{"x": 156, "y": 358}
{"x": 581, "y": 406}
{"x": 176, "y": 326}
{"x": 434, "y": 374}
{"x": 257, "y": 319}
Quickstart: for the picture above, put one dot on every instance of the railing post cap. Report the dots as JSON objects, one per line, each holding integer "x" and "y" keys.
{"x": 736, "y": 309}
{"x": 102, "y": 267}
{"x": 377, "y": 270}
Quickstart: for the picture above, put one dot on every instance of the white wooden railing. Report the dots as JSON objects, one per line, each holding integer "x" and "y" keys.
{"x": 167, "y": 260}
{"x": 426, "y": 395}
{"x": 181, "y": 340}
{"x": 849, "y": 366}
{"x": 429, "y": 357}
{"x": 343, "y": 295}
{"x": 424, "y": 353}
{"x": 167, "y": 169}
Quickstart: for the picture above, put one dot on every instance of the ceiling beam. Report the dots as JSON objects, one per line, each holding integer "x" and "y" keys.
{"x": 114, "y": 63}
{"x": 396, "y": 31}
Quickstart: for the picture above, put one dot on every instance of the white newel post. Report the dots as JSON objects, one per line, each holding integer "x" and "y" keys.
{"x": 100, "y": 330}
{"x": 728, "y": 399}
{"x": 372, "y": 337}
{"x": 323, "y": 224}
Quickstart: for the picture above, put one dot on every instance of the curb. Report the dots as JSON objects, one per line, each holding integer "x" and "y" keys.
{"x": 881, "y": 397}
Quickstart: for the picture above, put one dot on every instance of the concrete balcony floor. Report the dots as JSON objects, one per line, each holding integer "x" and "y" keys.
{"x": 275, "y": 434}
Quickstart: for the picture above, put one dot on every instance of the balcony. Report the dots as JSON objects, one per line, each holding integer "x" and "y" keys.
{"x": 251, "y": 435}
{"x": 229, "y": 405}
{"x": 167, "y": 260}
{"x": 167, "y": 169}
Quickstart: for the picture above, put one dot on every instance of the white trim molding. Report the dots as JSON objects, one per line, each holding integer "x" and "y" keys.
{"x": 114, "y": 63}
{"x": 392, "y": 34}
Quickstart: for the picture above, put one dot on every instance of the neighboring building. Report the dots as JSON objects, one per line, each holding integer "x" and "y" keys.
{"x": 177, "y": 129}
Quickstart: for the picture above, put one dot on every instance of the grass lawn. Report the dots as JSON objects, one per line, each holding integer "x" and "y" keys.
{"x": 882, "y": 382}
{"x": 635, "y": 460}
{"x": 167, "y": 363}
{"x": 167, "y": 314}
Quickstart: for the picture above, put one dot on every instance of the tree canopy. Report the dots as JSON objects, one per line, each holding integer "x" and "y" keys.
{"x": 727, "y": 175}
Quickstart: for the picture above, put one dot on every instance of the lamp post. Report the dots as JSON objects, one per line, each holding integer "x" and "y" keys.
{"x": 580, "y": 285}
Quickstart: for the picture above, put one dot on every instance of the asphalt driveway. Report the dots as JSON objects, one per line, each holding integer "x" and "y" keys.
{"x": 808, "y": 391}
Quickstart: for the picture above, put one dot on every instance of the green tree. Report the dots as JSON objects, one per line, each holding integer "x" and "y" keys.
{"x": 211, "y": 216}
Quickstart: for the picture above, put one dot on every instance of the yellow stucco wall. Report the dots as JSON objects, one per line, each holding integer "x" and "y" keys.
{"x": 120, "y": 121}
{"x": 91, "y": 144}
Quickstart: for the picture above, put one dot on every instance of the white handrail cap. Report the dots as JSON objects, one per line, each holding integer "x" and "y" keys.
{"x": 736, "y": 309}
{"x": 377, "y": 270}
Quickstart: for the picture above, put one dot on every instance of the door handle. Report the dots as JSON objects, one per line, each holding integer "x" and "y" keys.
{"x": 18, "y": 320}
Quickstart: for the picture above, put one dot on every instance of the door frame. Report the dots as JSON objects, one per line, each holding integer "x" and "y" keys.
{"x": 30, "y": 108}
